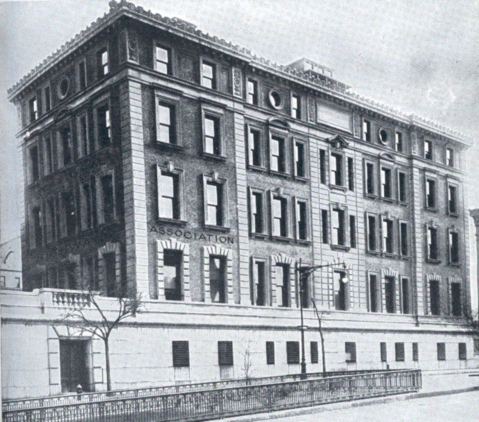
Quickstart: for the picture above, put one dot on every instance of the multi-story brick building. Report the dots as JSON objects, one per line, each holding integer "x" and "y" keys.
{"x": 161, "y": 159}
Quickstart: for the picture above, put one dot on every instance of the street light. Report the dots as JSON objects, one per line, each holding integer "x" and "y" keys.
{"x": 304, "y": 273}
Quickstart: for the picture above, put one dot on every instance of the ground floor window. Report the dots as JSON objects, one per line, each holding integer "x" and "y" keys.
{"x": 73, "y": 365}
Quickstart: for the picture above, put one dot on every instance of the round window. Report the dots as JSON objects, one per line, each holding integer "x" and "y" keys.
{"x": 275, "y": 99}
{"x": 63, "y": 87}
{"x": 383, "y": 136}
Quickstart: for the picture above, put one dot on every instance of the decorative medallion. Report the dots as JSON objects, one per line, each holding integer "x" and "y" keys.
{"x": 237, "y": 88}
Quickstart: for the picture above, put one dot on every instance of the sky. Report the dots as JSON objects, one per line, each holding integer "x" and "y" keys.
{"x": 418, "y": 56}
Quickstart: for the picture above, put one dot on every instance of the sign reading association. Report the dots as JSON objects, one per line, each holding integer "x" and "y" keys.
{"x": 192, "y": 235}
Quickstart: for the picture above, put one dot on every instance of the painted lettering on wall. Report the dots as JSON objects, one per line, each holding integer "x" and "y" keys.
{"x": 187, "y": 234}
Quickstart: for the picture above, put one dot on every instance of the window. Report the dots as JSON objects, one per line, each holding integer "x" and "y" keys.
{"x": 452, "y": 199}
{"x": 168, "y": 195}
{"x": 208, "y": 75}
{"x": 257, "y": 212}
{"x": 299, "y": 159}
{"x": 372, "y": 233}
{"x": 283, "y": 285}
{"x": 258, "y": 287}
{"x": 102, "y": 61}
{"x": 47, "y": 99}
{"x": 255, "y": 157}
{"x": 476, "y": 346}
{"x": 324, "y": 226}
{"x": 435, "y": 297}
{"x": 214, "y": 204}
{"x": 399, "y": 142}
{"x": 338, "y": 227}
{"x": 34, "y": 163}
{"x": 107, "y": 199}
{"x": 449, "y": 157}
{"x": 172, "y": 261}
{"x": 279, "y": 216}
{"x": 390, "y": 293}
{"x": 252, "y": 92}
{"x": 415, "y": 352}
{"x": 428, "y": 150}
{"x": 350, "y": 349}
{"x": 399, "y": 349}
{"x": 166, "y": 123}
{"x": 109, "y": 260}
{"x": 37, "y": 227}
{"x": 366, "y": 130}
{"x": 384, "y": 351}
{"x": 295, "y": 106}
{"x": 212, "y": 139}
{"x": 163, "y": 60}
{"x": 270, "y": 353}
{"x": 48, "y": 161}
{"x": 402, "y": 187}
{"x": 83, "y": 140}
{"x": 225, "y": 353}
{"x": 218, "y": 279}
{"x": 33, "y": 109}
{"x": 66, "y": 145}
{"x": 430, "y": 193}
{"x": 82, "y": 75}
{"x": 86, "y": 206}
{"x": 73, "y": 364}
{"x": 336, "y": 173}
{"x": 462, "y": 351}
{"x": 341, "y": 291}
{"x": 350, "y": 173}
{"x": 370, "y": 177}
{"x": 181, "y": 354}
{"x": 352, "y": 230}
{"x": 322, "y": 165}
{"x": 432, "y": 244}
{"x": 456, "y": 299}
{"x": 50, "y": 219}
{"x": 405, "y": 297}
{"x": 388, "y": 235}
{"x": 292, "y": 352}
{"x": 386, "y": 183}
{"x": 453, "y": 243}
{"x": 441, "y": 351}
{"x": 301, "y": 220}
{"x": 103, "y": 125}
{"x": 374, "y": 293}
{"x": 278, "y": 155}
{"x": 68, "y": 214}
{"x": 403, "y": 239}
{"x": 314, "y": 352}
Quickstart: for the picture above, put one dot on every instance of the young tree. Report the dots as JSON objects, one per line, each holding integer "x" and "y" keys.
{"x": 320, "y": 327}
{"x": 100, "y": 322}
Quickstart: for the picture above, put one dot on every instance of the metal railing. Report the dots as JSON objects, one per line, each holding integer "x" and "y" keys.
{"x": 73, "y": 398}
{"x": 225, "y": 402}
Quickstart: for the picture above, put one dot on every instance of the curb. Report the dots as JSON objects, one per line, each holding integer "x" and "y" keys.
{"x": 343, "y": 405}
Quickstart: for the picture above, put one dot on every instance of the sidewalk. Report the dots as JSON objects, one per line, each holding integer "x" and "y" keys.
{"x": 434, "y": 383}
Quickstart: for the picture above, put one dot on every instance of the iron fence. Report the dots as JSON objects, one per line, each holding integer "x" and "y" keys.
{"x": 225, "y": 402}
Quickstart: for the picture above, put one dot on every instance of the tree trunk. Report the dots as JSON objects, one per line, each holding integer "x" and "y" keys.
{"x": 107, "y": 361}
{"x": 320, "y": 326}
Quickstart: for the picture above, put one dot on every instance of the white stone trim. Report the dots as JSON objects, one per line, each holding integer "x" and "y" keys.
{"x": 282, "y": 258}
{"x": 218, "y": 250}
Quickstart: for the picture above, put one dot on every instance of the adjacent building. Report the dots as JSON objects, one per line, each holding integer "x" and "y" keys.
{"x": 159, "y": 159}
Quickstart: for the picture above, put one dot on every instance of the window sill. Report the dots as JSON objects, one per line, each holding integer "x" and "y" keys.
{"x": 390, "y": 200}
{"x": 303, "y": 242}
{"x": 302, "y": 179}
{"x": 282, "y": 239}
{"x": 214, "y": 156}
{"x": 217, "y": 228}
{"x": 453, "y": 214}
{"x": 431, "y": 209}
{"x": 454, "y": 264}
{"x": 372, "y": 252}
{"x": 405, "y": 258}
{"x": 403, "y": 204}
{"x": 433, "y": 261}
{"x": 258, "y": 235}
{"x": 340, "y": 247}
{"x": 390, "y": 255}
{"x": 371, "y": 196}
{"x": 166, "y": 145}
{"x": 257, "y": 168}
{"x": 174, "y": 221}
{"x": 338, "y": 187}
{"x": 278, "y": 173}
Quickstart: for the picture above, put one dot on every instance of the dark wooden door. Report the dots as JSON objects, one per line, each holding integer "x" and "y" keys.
{"x": 73, "y": 365}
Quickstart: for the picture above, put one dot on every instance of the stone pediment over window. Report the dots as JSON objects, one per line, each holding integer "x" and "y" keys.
{"x": 338, "y": 142}
{"x": 386, "y": 156}
{"x": 62, "y": 113}
{"x": 278, "y": 123}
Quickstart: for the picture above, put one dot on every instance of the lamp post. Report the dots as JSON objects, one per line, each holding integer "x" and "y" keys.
{"x": 304, "y": 273}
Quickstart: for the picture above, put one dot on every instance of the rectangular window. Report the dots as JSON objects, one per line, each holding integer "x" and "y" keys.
{"x": 384, "y": 351}
{"x": 107, "y": 199}
{"x": 257, "y": 217}
{"x": 456, "y": 299}
{"x": 338, "y": 227}
{"x": 428, "y": 150}
{"x": 37, "y": 227}
{"x": 388, "y": 235}
{"x": 324, "y": 226}
{"x": 435, "y": 297}
{"x": 432, "y": 244}
{"x": 47, "y": 99}
{"x": 350, "y": 349}
{"x": 33, "y": 109}
{"x": 336, "y": 174}
{"x": 69, "y": 214}
{"x": 254, "y": 148}
{"x": 225, "y": 353}
{"x": 450, "y": 157}
{"x": 301, "y": 220}
{"x": 399, "y": 142}
{"x": 295, "y": 106}
{"x": 166, "y": 123}
{"x": 82, "y": 75}
{"x": 370, "y": 176}
{"x": 372, "y": 233}
{"x": 212, "y": 141}
{"x": 277, "y": 154}
{"x": 405, "y": 296}
{"x": 172, "y": 261}
{"x": 83, "y": 141}
{"x": 181, "y": 354}
{"x": 476, "y": 346}
{"x": 399, "y": 349}
{"x": 402, "y": 188}
{"x": 218, "y": 279}
{"x": 430, "y": 193}
{"x": 352, "y": 230}
{"x": 299, "y": 159}
{"x": 258, "y": 290}
{"x": 86, "y": 207}
{"x": 50, "y": 219}
{"x": 292, "y": 352}
{"x": 390, "y": 293}
{"x": 163, "y": 60}
{"x": 452, "y": 199}
{"x": 270, "y": 353}
{"x": 34, "y": 163}
{"x": 453, "y": 247}
{"x": 366, "y": 130}
{"x": 340, "y": 290}
{"x": 282, "y": 285}
{"x": 104, "y": 125}
{"x": 279, "y": 216}
{"x": 66, "y": 145}
{"x": 214, "y": 204}
{"x": 208, "y": 75}
{"x": 386, "y": 183}
{"x": 415, "y": 352}
{"x": 48, "y": 155}
{"x": 462, "y": 351}
{"x": 441, "y": 351}
{"x": 374, "y": 296}
{"x": 109, "y": 260}
{"x": 314, "y": 352}
{"x": 403, "y": 239}
{"x": 350, "y": 174}
{"x": 252, "y": 92}
{"x": 102, "y": 61}
{"x": 322, "y": 165}
{"x": 168, "y": 195}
